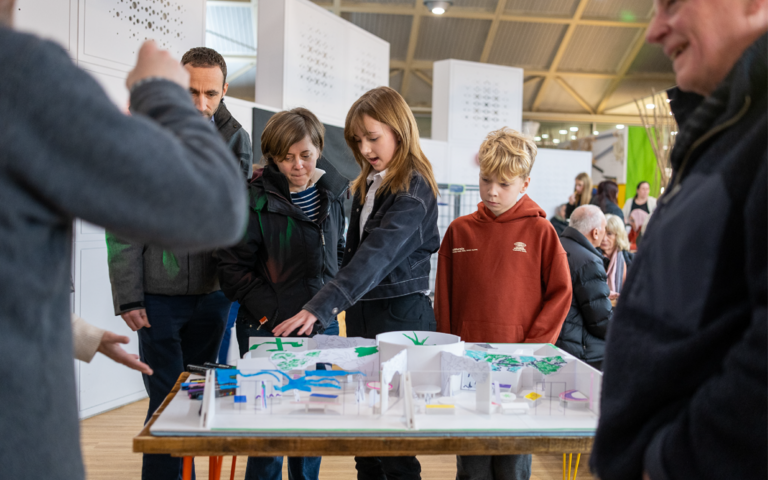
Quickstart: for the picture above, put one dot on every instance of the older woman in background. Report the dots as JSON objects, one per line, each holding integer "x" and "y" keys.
{"x": 616, "y": 255}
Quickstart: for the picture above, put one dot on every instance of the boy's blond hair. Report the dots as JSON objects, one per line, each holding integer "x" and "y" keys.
{"x": 506, "y": 154}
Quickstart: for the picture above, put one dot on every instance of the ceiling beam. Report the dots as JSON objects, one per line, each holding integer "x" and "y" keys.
{"x": 336, "y": 7}
{"x": 530, "y": 79}
{"x": 629, "y": 58}
{"x": 423, "y": 76}
{"x": 232, "y": 76}
{"x": 476, "y": 15}
{"x": 560, "y": 52}
{"x": 394, "y": 72}
{"x": 428, "y": 64}
{"x": 586, "y": 106}
{"x": 492, "y": 31}
{"x": 582, "y": 118}
{"x": 412, "y": 41}
{"x": 560, "y": 117}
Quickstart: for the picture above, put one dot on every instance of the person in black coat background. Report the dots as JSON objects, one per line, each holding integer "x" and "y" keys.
{"x": 558, "y": 220}
{"x": 585, "y": 327}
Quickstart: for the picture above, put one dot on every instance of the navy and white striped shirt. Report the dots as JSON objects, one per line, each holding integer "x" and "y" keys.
{"x": 308, "y": 201}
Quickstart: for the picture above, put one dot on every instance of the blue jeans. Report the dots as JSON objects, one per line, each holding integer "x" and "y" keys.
{"x": 224, "y": 349}
{"x": 271, "y": 468}
{"x": 184, "y": 329}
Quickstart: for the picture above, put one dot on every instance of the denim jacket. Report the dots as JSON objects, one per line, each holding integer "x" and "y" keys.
{"x": 392, "y": 259}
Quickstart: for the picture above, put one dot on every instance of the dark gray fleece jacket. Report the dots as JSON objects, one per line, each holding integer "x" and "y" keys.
{"x": 161, "y": 176}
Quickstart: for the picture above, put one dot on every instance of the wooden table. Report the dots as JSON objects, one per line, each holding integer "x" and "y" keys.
{"x": 216, "y": 447}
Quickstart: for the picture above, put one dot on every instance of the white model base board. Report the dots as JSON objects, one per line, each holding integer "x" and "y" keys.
{"x": 347, "y": 417}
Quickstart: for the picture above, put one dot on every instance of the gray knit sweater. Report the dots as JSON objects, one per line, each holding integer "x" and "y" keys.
{"x": 162, "y": 176}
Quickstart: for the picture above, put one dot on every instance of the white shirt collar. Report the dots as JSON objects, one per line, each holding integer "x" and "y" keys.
{"x": 319, "y": 172}
{"x": 382, "y": 174}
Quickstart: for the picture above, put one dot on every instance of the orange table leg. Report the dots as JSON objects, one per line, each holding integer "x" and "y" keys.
{"x": 187, "y": 470}
{"x": 211, "y": 467}
{"x": 234, "y": 461}
{"x": 219, "y": 464}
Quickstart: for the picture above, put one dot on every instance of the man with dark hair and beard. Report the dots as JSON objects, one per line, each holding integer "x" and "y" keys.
{"x": 172, "y": 297}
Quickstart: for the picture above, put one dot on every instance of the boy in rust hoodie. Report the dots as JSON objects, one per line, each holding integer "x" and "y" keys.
{"x": 502, "y": 275}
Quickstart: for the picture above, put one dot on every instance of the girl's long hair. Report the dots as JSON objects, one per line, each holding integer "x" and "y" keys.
{"x": 606, "y": 191}
{"x": 586, "y": 193}
{"x": 385, "y": 105}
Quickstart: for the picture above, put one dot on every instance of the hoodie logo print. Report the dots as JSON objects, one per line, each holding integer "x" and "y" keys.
{"x": 462, "y": 250}
{"x": 520, "y": 247}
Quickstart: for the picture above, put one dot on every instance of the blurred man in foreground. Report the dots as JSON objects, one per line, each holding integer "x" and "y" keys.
{"x": 137, "y": 176}
{"x": 685, "y": 385}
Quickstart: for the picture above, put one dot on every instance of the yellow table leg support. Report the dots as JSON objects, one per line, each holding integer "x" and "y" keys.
{"x": 570, "y": 464}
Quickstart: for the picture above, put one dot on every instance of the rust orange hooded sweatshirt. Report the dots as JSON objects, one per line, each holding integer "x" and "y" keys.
{"x": 503, "y": 279}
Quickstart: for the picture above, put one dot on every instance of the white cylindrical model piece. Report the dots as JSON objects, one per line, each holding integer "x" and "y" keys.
{"x": 424, "y": 350}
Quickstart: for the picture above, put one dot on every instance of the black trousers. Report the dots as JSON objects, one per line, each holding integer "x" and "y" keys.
{"x": 367, "y": 319}
{"x": 185, "y": 329}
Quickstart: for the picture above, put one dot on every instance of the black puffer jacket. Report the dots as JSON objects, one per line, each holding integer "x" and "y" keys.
{"x": 585, "y": 327}
{"x": 285, "y": 258}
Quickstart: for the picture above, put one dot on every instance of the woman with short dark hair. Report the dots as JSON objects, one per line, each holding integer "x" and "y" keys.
{"x": 293, "y": 246}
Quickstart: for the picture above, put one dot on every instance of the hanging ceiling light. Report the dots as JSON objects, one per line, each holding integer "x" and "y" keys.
{"x": 438, "y": 7}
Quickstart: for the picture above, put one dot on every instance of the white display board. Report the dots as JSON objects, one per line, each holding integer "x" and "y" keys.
{"x": 471, "y": 99}
{"x": 310, "y": 58}
{"x": 553, "y": 176}
{"x": 111, "y": 31}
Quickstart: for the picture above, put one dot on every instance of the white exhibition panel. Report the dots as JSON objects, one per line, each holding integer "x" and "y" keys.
{"x": 51, "y": 19}
{"x": 553, "y": 176}
{"x": 111, "y": 31}
{"x": 437, "y": 154}
{"x": 310, "y": 58}
{"x": 103, "y": 384}
{"x": 471, "y": 99}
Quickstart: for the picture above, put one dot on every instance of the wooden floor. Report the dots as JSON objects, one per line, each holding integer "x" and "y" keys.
{"x": 108, "y": 454}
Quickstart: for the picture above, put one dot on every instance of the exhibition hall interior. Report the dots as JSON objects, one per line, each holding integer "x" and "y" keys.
{"x": 448, "y": 204}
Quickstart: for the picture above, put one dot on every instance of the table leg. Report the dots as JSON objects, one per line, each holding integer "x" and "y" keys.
{"x": 187, "y": 468}
{"x": 212, "y": 467}
{"x": 234, "y": 461}
{"x": 570, "y": 465}
{"x": 220, "y": 463}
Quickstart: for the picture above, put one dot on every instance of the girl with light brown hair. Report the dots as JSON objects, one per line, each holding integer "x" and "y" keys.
{"x": 582, "y": 193}
{"x": 383, "y": 283}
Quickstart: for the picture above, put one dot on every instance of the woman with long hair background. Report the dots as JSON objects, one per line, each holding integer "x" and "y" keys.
{"x": 582, "y": 193}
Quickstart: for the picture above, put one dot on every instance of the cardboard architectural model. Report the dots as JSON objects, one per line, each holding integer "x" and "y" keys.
{"x": 401, "y": 382}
